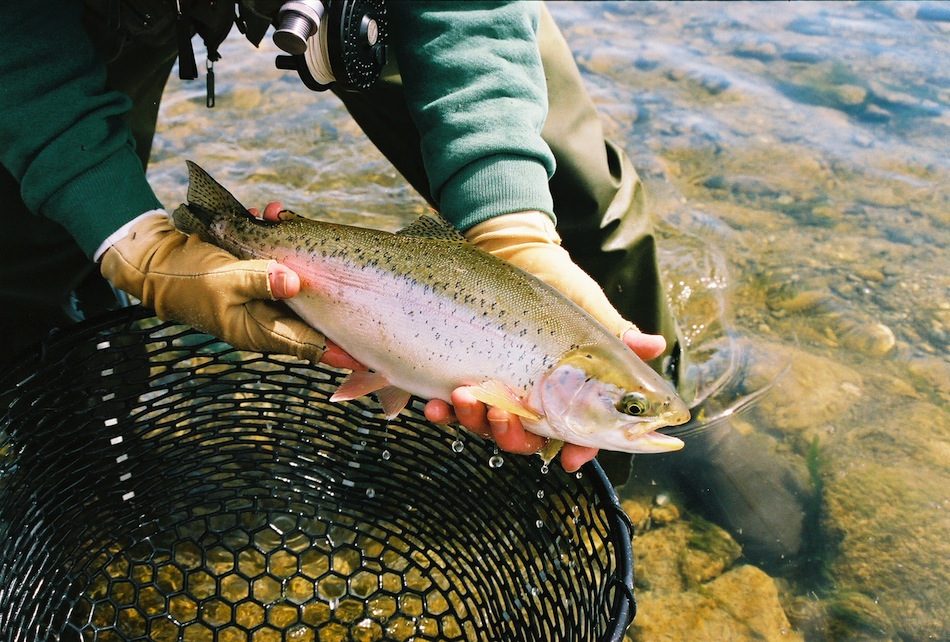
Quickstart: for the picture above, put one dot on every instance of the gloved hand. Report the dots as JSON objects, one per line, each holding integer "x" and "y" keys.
{"x": 188, "y": 280}
{"x": 529, "y": 241}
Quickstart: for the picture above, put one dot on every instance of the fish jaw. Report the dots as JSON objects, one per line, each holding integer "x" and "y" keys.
{"x": 652, "y": 443}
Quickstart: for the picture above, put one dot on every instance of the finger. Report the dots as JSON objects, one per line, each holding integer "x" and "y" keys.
{"x": 284, "y": 282}
{"x": 510, "y": 435}
{"x": 470, "y": 412}
{"x": 337, "y": 357}
{"x": 646, "y": 346}
{"x": 439, "y": 412}
{"x": 272, "y": 211}
{"x": 574, "y": 456}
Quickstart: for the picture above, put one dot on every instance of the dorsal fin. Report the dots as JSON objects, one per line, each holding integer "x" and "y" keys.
{"x": 207, "y": 194}
{"x": 433, "y": 227}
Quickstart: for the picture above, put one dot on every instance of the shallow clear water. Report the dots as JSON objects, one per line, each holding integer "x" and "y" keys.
{"x": 796, "y": 156}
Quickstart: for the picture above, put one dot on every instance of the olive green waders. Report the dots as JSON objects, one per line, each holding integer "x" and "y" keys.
{"x": 598, "y": 196}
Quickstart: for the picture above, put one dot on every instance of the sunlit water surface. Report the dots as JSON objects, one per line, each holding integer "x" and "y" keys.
{"x": 796, "y": 157}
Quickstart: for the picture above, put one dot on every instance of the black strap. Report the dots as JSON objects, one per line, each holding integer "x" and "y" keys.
{"x": 187, "y": 67}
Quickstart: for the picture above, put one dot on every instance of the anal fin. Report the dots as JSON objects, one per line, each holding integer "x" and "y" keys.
{"x": 393, "y": 400}
{"x": 361, "y": 383}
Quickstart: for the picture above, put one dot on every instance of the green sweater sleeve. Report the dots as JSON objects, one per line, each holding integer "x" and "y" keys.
{"x": 476, "y": 90}
{"x": 62, "y": 136}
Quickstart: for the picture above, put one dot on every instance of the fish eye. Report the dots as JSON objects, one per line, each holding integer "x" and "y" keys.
{"x": 633, "y": 403}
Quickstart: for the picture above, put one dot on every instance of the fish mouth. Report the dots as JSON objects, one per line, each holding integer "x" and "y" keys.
{"x": 640, "y": 428}
{"x": 654, "y": 442}
{"x": 677, "y": 414}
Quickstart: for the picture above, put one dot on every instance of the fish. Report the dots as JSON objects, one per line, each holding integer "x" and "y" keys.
{"x": 427, "y": 312}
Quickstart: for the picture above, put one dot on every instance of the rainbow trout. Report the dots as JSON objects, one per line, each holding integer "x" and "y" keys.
{"x": 427, "y": 312}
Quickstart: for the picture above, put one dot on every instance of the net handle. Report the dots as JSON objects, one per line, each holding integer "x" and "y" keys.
{"x": 624, "y": 608}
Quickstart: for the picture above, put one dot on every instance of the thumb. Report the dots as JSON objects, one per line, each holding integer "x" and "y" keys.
{"x": 284, "y": 282}
{"x": 646, "y": 346}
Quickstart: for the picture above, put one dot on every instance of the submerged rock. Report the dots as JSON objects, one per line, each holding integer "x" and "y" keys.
{"x": 886, "y": 504}
{"x": 689, "y": 586}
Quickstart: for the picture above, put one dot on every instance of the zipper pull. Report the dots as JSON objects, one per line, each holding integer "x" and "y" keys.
{"x": 209, "y": 97}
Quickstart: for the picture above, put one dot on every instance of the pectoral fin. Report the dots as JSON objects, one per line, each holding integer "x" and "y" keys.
{"x": 550, "y": 450}
{"x": 496, "y": 394}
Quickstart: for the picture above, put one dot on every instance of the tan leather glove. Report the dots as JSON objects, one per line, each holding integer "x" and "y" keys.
{"x": 529, "y": 241}
{"x": 188, "y": 280}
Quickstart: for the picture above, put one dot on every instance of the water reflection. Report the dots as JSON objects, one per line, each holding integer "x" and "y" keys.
{"x": 797, "y": 156}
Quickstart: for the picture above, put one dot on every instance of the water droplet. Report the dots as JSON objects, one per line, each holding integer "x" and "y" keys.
{"x": 458, "y": 445}
{"x": 579, "y": 475}
{"x": 371, "y": 492}
{"x": 385, "y": 455}
{"x": 544, "y": 469}
{"x": 496, "y": 461}
{"x": 539, "y": 523}
{"x": 540, "y": 494}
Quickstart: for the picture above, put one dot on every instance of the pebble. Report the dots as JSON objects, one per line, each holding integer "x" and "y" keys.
{"x": 850, "y": 95}
{"x": 806, "y": 56}
{"x": 665, "y": 514}
{"x": 873, "y": 339}
{"x": 823, "y": 215}
{"x": 803, "y": 301}
{"x": 875, "y": 114}
{"x": 764, "y": 51}
{"x": 870, "y": 274}
{"x": 638, "y": 513}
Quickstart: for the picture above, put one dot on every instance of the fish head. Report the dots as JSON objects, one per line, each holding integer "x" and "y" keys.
{"x": 606, "y": 397}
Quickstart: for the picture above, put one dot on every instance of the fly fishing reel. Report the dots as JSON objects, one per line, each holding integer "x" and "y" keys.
{"x": 333, "y": 41}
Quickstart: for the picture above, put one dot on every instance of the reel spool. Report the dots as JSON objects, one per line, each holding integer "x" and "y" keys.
{"x": 333, "y": 41}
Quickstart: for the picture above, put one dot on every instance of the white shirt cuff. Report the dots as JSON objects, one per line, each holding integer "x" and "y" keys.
{"x": 122, "y": 232}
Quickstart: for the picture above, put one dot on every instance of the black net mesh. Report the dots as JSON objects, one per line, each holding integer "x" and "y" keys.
{"x": 156, "y": 484}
